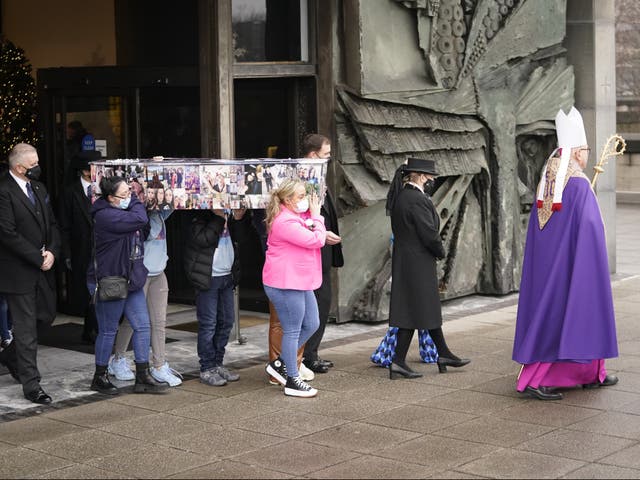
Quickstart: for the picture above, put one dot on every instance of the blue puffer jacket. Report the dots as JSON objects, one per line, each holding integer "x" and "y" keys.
{"x": 117, "y": 232}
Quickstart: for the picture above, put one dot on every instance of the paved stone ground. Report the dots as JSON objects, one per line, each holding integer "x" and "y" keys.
{"x": 468, "y": 423}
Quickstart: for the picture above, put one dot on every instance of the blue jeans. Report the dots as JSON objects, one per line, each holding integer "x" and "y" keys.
{"x": 108, "y": 314}
{"x": 5, "y": 319}
{"x": 215, "y": 313}
{"x": 299, "y": 318}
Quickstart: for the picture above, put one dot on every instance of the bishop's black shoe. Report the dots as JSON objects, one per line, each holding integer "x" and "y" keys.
{"x": 543, "y": 393}
{"x": 608, "y": 381}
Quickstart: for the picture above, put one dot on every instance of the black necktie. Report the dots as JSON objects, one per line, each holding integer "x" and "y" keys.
{"x": 89, "y": 191}
{"x": 30, "y": 194}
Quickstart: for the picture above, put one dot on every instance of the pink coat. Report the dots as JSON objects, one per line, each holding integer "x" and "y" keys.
{"x": 293, "y": 259}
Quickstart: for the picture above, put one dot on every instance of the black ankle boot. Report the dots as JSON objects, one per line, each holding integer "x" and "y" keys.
{"x": 145, "y": 383}
{"x": 101, "y": 382}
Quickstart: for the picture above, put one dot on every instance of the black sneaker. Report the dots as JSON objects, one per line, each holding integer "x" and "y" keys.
{"x": 278, "y": 370}
{"x": 296, "y": 387}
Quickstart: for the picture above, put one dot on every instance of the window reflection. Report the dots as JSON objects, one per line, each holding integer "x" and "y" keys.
{"x": 270, "y": 30}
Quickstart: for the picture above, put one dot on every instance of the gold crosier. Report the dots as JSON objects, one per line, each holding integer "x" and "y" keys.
{"x": 614, "y": 146}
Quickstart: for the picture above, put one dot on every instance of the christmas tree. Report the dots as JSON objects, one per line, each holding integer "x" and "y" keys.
{"x": 17, "y": 99}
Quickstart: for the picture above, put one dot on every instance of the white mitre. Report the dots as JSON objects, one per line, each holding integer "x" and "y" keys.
{"x": 571, "y": 134}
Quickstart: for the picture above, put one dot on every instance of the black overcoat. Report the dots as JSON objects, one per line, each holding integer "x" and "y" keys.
{"x": 24, "y": 230}
{"x": 76, "y": 226}
{"x": 415, "y": 301}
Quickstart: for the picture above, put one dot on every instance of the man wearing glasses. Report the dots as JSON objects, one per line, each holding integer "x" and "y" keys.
{"x": 566, "y": 324}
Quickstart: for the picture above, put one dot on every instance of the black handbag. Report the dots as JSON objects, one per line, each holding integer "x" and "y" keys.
{"x": 112, "y": 287}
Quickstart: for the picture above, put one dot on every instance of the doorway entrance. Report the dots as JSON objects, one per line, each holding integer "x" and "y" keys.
{"x": 272, "y": 116}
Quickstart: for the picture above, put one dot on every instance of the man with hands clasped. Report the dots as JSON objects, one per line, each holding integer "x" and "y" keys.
{"x": 29, "y": 245}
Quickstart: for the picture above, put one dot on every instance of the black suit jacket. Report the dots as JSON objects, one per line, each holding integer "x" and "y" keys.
{"x": 76, "y": 226}
{"x": 331, "y": 254}
{"x": 24, "y": 230}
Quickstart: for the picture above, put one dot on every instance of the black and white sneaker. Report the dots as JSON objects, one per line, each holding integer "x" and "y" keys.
{"x": 278, "y": 370}
{"x": 296, "y": 387}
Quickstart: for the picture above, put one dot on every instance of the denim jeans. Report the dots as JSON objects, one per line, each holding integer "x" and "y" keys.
{"x": 108, "y": 314}
{"x": 299, "y": 318}
{"x": 5, "y": 319}
{"x": 215, "y": 313}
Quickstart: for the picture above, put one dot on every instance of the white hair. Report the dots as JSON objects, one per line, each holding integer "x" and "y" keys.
{"x": 19, "y": 152}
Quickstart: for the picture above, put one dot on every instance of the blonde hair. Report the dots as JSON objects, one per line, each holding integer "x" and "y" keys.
{"x": 286, "y": 190}
{"x": 411, "y": 177}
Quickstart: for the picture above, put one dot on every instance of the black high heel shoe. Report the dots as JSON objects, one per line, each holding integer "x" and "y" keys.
{"x": 444, "y": 362}
{"x": 394, "y": 369}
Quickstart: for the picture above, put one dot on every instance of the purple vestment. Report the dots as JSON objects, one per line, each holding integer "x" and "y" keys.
{"x": 565, "y": 309}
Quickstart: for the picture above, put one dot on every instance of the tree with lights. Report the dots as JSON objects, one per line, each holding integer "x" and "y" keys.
{"x": 17, "y": 99}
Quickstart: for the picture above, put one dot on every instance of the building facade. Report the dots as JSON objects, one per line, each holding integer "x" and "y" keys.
{"x": 472, "y": 84}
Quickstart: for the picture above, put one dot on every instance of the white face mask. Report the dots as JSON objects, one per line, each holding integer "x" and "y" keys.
{"x": 303, "y": 205}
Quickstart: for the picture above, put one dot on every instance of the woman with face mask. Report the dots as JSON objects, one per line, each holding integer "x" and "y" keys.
{"x": 292, "y": 271}
{"x": 120, "y": 221}
{"x": 415, "y": 299}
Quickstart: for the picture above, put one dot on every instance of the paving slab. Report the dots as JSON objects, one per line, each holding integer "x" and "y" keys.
{"x": 292, "y": 425}
{"x": 215, "y": 442}
{"x": 369, "y": 466}
{"x": 628, "y": 457}
{"x": 360, "y": 437}
{"x": 495, "y": 431}
{"x": 148, "y": 461}
{"x": 437, "y": 452}
{"x": 35, "y": 429}
{"x": 297, "y": 457}
{"x": 80, "y": 471}
{"x": 84, "y": 445}
{"x": 223, "y": 411}
{"x": 509, "y": 463}
{"x": 576, "y": 445}
{"x": 230, "y": 469}
{"x": 467, "y": 423}
{"x": 611, "y": 423}
{"x": 419, "y": 419}
{"x": 25, "y": 463}
{"x": 598, "y": 471}
{"x": 553, "y": 414}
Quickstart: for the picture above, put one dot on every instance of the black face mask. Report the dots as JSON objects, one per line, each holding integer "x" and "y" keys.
{"x": 428, "y": 186}
{"x": 33, "y": 173}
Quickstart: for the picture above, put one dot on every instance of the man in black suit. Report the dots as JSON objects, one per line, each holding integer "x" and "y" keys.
{"x": 29, "y": 245}
{"x": 76, "y": 226}
{"x": 317, "y": 146}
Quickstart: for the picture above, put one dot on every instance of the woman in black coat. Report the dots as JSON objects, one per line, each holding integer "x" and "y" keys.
{"x": 415, "y": 300}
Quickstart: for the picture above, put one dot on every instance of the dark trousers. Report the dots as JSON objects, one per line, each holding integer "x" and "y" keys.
{"x": 215, "y": 314}
{"x": 24, "y": 313}
{"x": 323, "y": 296}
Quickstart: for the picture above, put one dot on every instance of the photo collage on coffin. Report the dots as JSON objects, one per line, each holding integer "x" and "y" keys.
{"x": 208, "y": 184}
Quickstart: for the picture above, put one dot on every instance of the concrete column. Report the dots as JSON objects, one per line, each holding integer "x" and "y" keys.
{"x": 590, "y": 42}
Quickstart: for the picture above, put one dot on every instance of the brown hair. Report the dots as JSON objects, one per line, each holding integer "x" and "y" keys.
{"x": 313, "y": 143}
{"x": 286, "y": 190}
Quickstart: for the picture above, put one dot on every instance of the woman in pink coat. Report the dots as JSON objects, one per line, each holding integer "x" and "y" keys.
{"x": 292, "y": 271}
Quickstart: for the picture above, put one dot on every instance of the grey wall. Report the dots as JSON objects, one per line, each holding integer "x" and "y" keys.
{"x": 590, "y": 42}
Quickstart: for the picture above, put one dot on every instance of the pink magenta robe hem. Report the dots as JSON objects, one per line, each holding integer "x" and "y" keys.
{"x": 561, "y": 374}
